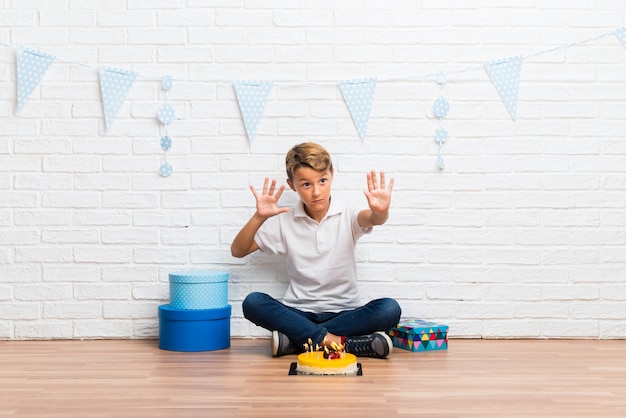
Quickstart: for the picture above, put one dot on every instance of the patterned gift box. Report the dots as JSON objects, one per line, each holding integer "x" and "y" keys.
{"x": 419, "y": 335}
{"x": 198, "y": 289}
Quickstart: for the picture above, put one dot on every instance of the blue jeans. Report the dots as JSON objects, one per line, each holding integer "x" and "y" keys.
{"x": 269, "y": 313}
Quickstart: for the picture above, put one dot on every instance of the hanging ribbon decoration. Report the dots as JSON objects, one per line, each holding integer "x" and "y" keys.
{"x": 441, "y": 107}
{"x": 166, "y": 115}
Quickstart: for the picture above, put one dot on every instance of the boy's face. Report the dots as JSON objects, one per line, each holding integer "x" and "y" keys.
{"x": 313, "y": 188}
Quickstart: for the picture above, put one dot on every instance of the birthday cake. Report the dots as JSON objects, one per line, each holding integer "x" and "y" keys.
{"x": 334, "y": 361}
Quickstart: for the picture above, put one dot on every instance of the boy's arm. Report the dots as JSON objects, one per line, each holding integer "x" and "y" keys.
{"x": 367, "y": 218}
{"x": 244, "y": 243}
{"x": 378, "y": 198}
{"x": 266, "y": 207}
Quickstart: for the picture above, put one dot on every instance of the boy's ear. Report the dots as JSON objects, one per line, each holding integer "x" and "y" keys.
{"x": 290, "y": 183}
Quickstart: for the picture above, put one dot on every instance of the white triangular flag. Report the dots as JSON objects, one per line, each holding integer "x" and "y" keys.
{"x": 359, "y": 95}
{"x": 252, "y": 96}
{"x": 505, "y": 76}
{"x": 114, "y": 86}
{"x": 620, "y": 34}
{"x": 31, "y": 67}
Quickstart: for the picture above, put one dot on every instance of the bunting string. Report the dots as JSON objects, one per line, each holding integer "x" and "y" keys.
{"x": 418, "y": 77}
{"x": 252, "y": 96}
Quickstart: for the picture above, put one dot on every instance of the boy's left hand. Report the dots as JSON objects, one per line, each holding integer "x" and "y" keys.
{"x": 378, "y": 196}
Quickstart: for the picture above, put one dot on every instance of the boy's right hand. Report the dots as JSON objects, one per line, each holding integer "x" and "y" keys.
{"x": 267, "y": 201}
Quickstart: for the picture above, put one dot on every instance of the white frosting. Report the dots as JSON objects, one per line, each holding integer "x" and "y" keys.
{"x": 349, "y": 369}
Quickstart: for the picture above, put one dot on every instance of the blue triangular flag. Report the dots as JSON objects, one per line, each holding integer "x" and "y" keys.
{"x": 505, "y": 75}
{"x": 114, "y": 86}
{"x": 31, "y": 67}
{"x": 252, "y": 96}
{"x": 620, "y": 34}
{"x": 359, "y": 95}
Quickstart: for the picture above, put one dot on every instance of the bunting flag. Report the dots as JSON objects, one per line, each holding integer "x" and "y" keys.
{"x": 114, "y": 86}
{"x": 252, "y": 96}
{"x": 620, "y": 34}
{"x": 31, "y": 67}
{"x": 505, "y": 76}
{"x": 359, "y": 95}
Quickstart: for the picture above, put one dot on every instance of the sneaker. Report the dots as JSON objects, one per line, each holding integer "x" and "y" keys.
{"x": 377, "y": 345}
{"x": 281, "y": 345}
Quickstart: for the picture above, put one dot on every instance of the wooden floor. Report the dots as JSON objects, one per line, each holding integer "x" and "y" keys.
{"x": 473, "y": 378}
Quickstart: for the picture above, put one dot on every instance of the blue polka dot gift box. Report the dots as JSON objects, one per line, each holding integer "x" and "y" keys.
{"x": 419, "y": 335}
{"x": 200, "y": 289}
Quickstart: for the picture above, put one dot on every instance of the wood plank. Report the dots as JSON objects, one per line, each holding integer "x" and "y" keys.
{"x": 473, "y": 378}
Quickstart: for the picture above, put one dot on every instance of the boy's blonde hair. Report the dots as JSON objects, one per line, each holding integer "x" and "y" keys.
{"x": 307, "y": 154}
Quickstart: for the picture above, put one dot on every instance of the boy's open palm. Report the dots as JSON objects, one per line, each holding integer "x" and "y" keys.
{"x": 378, "y": 196}
{"x": 267, "y": 201}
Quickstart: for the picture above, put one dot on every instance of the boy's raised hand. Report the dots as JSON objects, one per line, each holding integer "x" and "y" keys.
{"x": 378, "y": 196}
{"x": 267, "y": 201}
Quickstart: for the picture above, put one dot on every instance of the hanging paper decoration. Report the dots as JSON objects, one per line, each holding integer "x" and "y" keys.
{"x": 505, "y": 76}
{"x": 166, "y": 115}
{"x": 359, "y": 95}
{"x": 441, "y": 107}
{"x": 31, "y": 67}
{"x": 252, "y": 96}
{"x": 620, "y": 34}
{"x": 114, "y": 86}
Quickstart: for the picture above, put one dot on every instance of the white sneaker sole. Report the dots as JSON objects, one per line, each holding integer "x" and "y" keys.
{"x": 388, "y": 340}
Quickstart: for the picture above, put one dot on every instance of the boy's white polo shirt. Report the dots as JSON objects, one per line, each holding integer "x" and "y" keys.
{"x": 320, "y": 258}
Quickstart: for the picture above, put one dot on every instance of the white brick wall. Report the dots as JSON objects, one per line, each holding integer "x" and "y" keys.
{"x": 522, "y": 235}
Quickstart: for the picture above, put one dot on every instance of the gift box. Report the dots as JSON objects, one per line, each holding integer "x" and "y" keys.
{"x": 199, "y": 289}
{"x": 419, "y": 335}
{"x": 194, "y": 330}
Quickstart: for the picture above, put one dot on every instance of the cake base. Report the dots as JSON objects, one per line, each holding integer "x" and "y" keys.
{"x": 293, "y": 371}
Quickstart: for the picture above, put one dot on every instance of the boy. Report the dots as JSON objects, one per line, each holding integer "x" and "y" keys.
{"x": 318, "y": 239}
